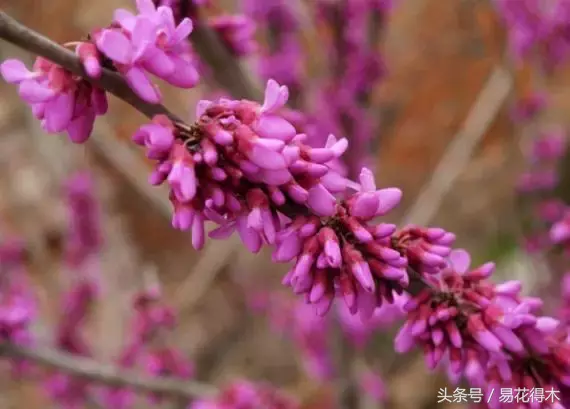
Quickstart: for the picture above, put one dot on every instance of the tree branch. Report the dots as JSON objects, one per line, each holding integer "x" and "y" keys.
{"x": 107, "y": 374}
{"x": 112, "y": 82}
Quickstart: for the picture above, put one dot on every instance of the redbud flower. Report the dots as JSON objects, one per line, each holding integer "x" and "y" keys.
{"x": 17, "y": 301}
{"x": 237, "y": 166}
{"x": 90, "y": 58}
{"x": 84, "y": 237}
{"x": 537, "y": 180}
{"x": 149, "y": 42}
{"x": 560, "y": 231}
{"x": 372, "y": 384}
{"x": 247, "y": 395}
{"x": 425, "y": 249}
{"x": 72, "y": 392}
{"x": 59, "y": 99}
{"x": 528, "y": 107}
{"x": 359, "y": 332}
{"x": 455, "y": 315}
{"x": 344, "y": 254}
{"x": 550, "y": 145}
{"x": 543, "y": 364}
{"x": 237, "y": 33}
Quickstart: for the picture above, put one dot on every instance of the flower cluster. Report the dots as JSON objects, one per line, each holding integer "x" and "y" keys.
{"x": 488, "y": 333}
{"x": 134, "y": 45}
{"x": 537, "y": 26}
{"x": 247, "y": 395}
{"x": 149, "y": 42}
{"x": 282, "y": 58}
{"x": 358, "y": 68}
{"x": 236, "y": 32}
{"x": 18, "y": 306}
{"x": 60, "y": 100}
{"x": 148, "y": 347}
{"x": 249, "y": 168}
{"x": 83, "y": 244}
{"x": 237, "y": 166}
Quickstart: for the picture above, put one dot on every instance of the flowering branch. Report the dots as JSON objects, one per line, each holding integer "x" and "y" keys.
{"x": 108, "y": 374}
{"x": 32, "y": 41}
{"x": 243, "y": 166}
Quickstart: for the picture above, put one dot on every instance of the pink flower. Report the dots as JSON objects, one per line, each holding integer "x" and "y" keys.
{"x": 149, "y": 42}
{"x": 236, "y": 166}
{"x": 425, "y": 249}
{"x": 455, "y": 315}
{"x": 373, "y": 385}
{"x": 84, "y": 238}
{"x": 59, "y": 99}
{"x": 346, "y": 256}
{"x": 247, "y": 395}
{"x": 237, "y": 32}
{"x": 359, "y": 332}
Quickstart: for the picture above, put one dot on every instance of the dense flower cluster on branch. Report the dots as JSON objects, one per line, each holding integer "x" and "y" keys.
{"x": 247, "y": 167}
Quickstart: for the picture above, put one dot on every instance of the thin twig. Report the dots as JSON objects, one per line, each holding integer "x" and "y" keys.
{"x": 482, "y": 114}
{"x": 30, "y": 40}
{"x": 107, "y": 374}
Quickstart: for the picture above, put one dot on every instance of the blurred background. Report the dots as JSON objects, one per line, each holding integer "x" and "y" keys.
{"x": 449, "y": 88}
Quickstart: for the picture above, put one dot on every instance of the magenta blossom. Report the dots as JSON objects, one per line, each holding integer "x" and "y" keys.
{"x": 149, "y": 42}
{"x": 247, "y": 395}
{"x": 237, "y": 32}
{"x": 59, "y": 99}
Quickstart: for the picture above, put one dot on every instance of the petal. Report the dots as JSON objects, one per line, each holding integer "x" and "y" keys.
{"x": 266, "y": 158}
{"x": 142, "y": 37}
{"x": 201, "y": 107}
{"x": 222, "y": 232}
{"x": 115, "y": 45}
{"x": 334, "y": 182}
{"x": 125, "y": 19}
{"x": 145, "y": 6}
{"x": 80, "y": 128}
{"x": 59, "y": 112}
{"x": 321, "y": 201}
{"x": 273, "y": 126}
{"x": 157, "y": 62}
{"x": 33, "y": 92}
{"x": 275, "y": 96}
{"x": 365, "y": 205}
{"x": 367, "y": 180}
{"x": 142, "y": 86}
{"x": 198, "y": 231}
{"x": 166, "y": 18}
{"x": 99, "y": 101}
{"x": 249, "y": 237}
{"x": 389, "y": 198}
{"x": 185, "y": 74}
{"x": 182, "y": 31}
{"x": 460, "y": 260}
{"x": 14, "y": 71}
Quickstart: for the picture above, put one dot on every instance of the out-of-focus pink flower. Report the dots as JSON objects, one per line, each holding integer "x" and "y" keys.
{"x": 237, "y": 32}
{"x": 247, "y": 395}
{"x": 359, "y": 332}
{"x": 372, "y": 384}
